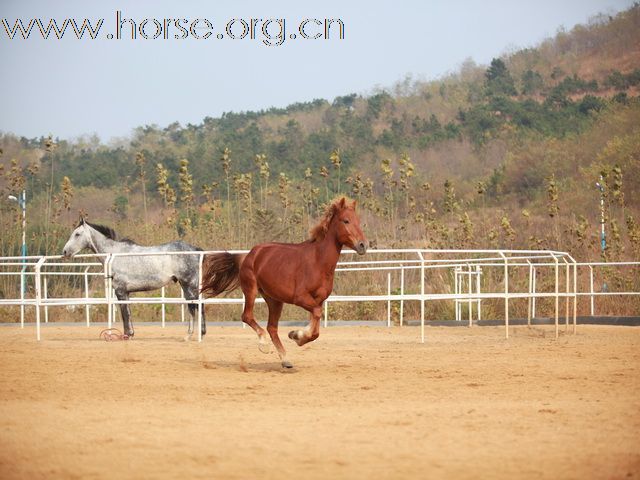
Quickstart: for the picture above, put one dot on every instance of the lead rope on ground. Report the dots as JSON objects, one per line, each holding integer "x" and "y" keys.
{"x": 113, "y": 335}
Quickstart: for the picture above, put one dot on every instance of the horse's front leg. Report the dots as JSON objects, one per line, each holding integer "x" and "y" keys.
{"x": 312, "y": 331}
{"x": 125, "y": 312}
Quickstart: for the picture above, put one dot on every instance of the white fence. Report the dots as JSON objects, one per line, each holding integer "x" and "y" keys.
{"x": 463, "y": 278}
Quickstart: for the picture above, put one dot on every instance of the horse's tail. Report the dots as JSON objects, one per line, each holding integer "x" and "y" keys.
{"x": 220, "y": 273}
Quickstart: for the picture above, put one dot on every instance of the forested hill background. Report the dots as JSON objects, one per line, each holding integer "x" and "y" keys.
{"x": 501, "y": 155}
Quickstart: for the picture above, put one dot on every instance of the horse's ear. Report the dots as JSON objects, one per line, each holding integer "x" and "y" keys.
{"x": 80, "y": 219}
{"x": 342, "y": 203}
{"x": 355, "y": 202}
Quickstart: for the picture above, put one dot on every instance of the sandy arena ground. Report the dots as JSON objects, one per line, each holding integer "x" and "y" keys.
{"x": 362, "y": 402}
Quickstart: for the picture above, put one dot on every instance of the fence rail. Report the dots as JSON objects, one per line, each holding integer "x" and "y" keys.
{"x": 466, "y": 278}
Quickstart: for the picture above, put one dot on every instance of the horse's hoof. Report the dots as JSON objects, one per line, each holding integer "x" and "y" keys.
{"x": 293, "y": 335}
{"x": 264, "y": 347}
{"x": 287, "y": 364}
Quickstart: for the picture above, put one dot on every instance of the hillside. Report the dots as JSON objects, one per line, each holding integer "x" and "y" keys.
{"x": 500, "y": 155}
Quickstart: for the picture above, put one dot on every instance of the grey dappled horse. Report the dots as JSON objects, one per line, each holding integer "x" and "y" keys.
{"x": 140, "y": 273}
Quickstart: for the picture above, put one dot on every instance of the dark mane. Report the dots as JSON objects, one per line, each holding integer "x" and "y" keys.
{"x": 320, "y": 230}
{"x": 108, "y": 232}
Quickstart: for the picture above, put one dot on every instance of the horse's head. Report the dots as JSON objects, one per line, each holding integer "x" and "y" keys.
{"x": 347, "y": 224}
{"x": 80, "y": 239}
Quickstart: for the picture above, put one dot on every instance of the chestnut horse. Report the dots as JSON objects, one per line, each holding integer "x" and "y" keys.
{"x": 300, "y": 274}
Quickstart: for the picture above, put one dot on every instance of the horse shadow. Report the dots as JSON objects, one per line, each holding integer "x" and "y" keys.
{"x": 241, "y": 366}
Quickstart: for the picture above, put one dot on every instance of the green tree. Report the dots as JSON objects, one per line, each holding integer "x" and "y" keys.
{"x": 120, "y": 206}
{"x": 532, "y": 82}
{"x": 140, "y": 161}
{"x": 498, "y": 80}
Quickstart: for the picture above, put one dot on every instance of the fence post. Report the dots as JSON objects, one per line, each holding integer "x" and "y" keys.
{"x": 38, "y": 288}
{"x": 566, "y": 303}
{"x": 533, "y": 298}
{"x": 402, "y": 295}
{"x": 591, "y": 289}
{"x": 478, "y": 273}
{"x": 182, "y": 306}
{"x": 506, "y": 294}
{"x": 470, "y": 303}
{"x": 244, "y": 325}
{"x": 389, "y": 300}
{"x": 108, "y": 290}
{"x": 45, "y": 293}
{"x": 86, "y": 296}
{"x": 200, "y": 305}
{"x": 575, "y": 295}
{"x": 22, "y": 289}
{"x": 325, "y": 307}
{"x": 555, "y": 259}
{"x": 421, "y": 296}
{"x": 163, "y": 310}
{"x": 456, "y": 291}
{"x": 530, "y": 292}
{"x": 106, "y": 286}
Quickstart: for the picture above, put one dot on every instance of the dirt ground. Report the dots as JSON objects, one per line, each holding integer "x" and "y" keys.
{"x": 361, "y": 402}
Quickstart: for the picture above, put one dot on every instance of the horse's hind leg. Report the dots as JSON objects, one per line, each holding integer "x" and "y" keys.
{"x": 125, "y": 312}
{"x": 191, "y": 293}
{"x": 193, "y": 311}
{"x": 250, "y": 290}
{"x": 275, "y": 310}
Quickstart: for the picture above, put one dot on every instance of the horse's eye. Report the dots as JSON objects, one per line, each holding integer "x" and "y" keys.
{"x": 345, "y": 221}
{"x": 77, "y": 234}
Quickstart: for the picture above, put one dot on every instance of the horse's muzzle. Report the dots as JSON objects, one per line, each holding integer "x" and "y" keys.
{"x": 361, "y": 248}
